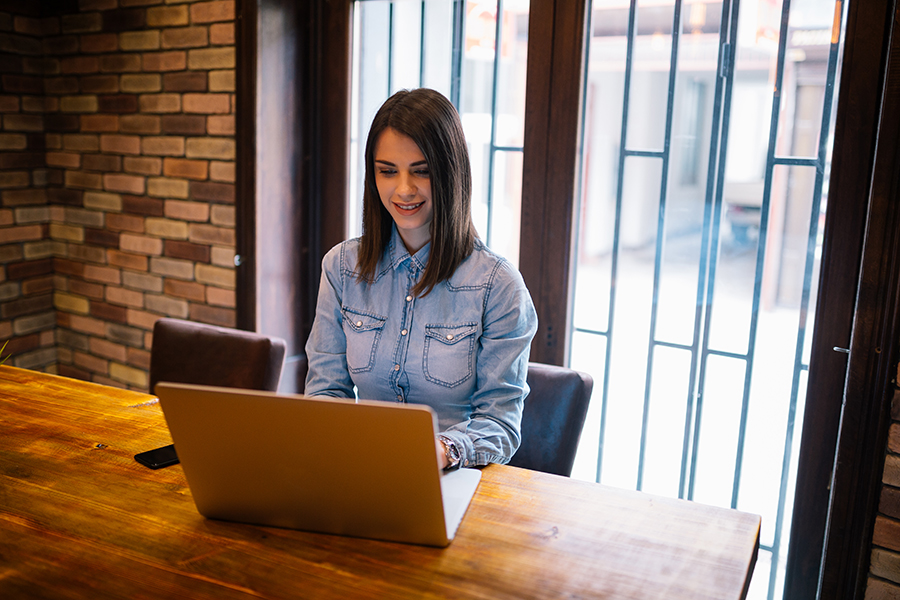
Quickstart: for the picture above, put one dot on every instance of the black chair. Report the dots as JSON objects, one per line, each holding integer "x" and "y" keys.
{"x": 188, "y": 352}
{"x": 553, "y": 418}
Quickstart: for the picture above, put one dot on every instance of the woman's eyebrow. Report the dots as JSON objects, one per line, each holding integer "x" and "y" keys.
{"x": 390, "y": 164}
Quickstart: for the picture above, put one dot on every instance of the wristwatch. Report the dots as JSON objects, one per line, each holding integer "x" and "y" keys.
{"x": 451, "y": 451}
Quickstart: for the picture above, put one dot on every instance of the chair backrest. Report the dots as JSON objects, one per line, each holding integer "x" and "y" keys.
{"x": 188, "y": 352}
{"x": 554, "y": 415}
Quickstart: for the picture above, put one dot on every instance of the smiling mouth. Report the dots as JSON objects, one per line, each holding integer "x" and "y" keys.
{"x": 408, "y": 207}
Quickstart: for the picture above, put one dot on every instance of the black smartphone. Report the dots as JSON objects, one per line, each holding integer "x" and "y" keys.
{"x": 158, "y": 457}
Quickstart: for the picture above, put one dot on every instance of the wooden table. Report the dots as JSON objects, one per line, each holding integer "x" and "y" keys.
{"x": 79, "y": 518}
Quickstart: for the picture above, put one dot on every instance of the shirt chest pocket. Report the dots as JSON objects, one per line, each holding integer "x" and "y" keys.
{"x": 449, "y": 353}
{"x": 362, "y": 332}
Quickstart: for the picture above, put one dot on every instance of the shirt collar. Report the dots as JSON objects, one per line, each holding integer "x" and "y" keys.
{"x": 398, "y": 254}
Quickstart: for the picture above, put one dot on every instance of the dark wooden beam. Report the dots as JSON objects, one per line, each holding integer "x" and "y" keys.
{"x": 557, "y": 39}
{"x": 858, "y": 109}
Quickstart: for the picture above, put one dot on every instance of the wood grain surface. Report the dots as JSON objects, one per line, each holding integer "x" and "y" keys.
{"x": 80, "y": 518}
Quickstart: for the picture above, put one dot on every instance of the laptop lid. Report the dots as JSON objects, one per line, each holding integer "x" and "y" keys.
{"x": 364, "y": 469}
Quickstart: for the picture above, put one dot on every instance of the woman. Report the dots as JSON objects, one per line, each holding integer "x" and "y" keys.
{"x": 418, "y": 309}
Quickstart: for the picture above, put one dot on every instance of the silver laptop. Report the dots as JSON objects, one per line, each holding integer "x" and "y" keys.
{"x": 363, "y": 469}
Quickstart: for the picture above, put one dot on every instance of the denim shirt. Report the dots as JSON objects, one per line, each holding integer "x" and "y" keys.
{"x": 462, "y": 349}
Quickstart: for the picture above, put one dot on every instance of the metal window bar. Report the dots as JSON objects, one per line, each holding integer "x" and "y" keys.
{"x": 617, "y": 230}
{"x": 660, "y": 233}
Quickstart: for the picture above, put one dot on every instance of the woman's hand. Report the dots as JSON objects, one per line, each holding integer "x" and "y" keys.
{"x": 441, "y": 452}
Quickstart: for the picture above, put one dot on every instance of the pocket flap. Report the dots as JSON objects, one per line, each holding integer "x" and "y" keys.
{"x": 358, "y": 321}
{"x": 450, "y": 334}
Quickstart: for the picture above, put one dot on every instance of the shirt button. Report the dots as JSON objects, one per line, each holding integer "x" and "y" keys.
{"x": 399, "y": 398}
{"x": 396, "y": 367}
{"x": 409, "y": 298}
{"x": 359, "y": 323}
{"x": 404, "y": 332}
{"x": 449, "y": 337}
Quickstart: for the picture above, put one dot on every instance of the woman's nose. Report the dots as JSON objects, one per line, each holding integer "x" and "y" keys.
{"x": 406, "y": 187}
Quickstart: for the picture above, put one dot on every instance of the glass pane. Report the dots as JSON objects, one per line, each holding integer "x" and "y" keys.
{"x": 411, "y": 43}
{"x": 507, "y": 204}
{"x": 699, "y": 245}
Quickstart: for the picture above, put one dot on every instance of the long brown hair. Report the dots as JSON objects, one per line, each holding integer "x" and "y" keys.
{"x": 432, "y": 122}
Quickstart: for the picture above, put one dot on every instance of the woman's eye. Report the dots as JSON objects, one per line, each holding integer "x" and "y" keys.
{"x": 386, "y": 171}
{"x": 422, "y": 173}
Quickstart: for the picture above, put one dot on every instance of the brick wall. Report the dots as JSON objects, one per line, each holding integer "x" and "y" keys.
{"x": 117, "y": 179}
{"x": 884, "y": 569}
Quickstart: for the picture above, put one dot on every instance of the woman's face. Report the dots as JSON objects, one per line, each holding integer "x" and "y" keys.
{"x": 404, "y": 186}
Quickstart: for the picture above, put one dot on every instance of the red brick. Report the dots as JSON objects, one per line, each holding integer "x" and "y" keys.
{"x": 128, "y": 184}
{"x": 894, "y": 438}
{"x": 144, "y": 320}
{"x": 38, "y": 285}
{"x": 184, "y": 124}
{"x": 66, "y": 160}
{"x": 102, "y": 162}
{"x": 118, "y": 103}
{"x": 213, "y": 192}
{"x": 209, "y": 12}
{"x": 139, "y": 358}
{"x": 219, "y": 297}
{"x": 209, "y": 234}
{"x": 58, "y": 45}
{"x": 221, "y": 34}
{"x": 120, "y": 62}
{"x": 124, "y": 19}
{"x": 184, "y": 37}
{"x": 26, "y": 306}
{"x": 181, "y": 167}
{"x": 160, "y": 103}
{"x": 28, "y": 269}
{"x": 99, "y": 123}
{"x": 207, "y": 103}
{"x": 89, "y": 181}
{"x": 109, "y": 312}
{"x": 108, "y": 349}
{"x": 223, "y": 317}
{"x": 117, "y": 295}
{"x": 79, "y": 65}
{"x": 73, "y": 372}
{"x": 187, "y": 251}
{"x": 63, "y": 266}
{"x": 99, "y": 42}
{"x": 91, "y": 363}
{"x": 127, "y": 260}
{"x": 140, "y": 244}
{"x": 144, "y": 124}
{"x": 100, "y": 84}
{"x": 28, "y": 197}
{"x": 81, "y": 22}
{"x": 101, "y": 237}
{"x": 22, "y": 84}
{"x": 890, "y": 501}
{"x": 188, "y": 81}
{"x": 120, "y": 144}
{"x": 887, "y": 533}
{"x": 143, "y": 165}
{"x": 167, "y": 16}
{"x": 142, "y": 205}
{"x": 102, "y": 274}
{"x": 125, "y": 222}
{"x": 189, "y": 290}
{"x": 165, "y": 61}
{"x": 86, "y": 288}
